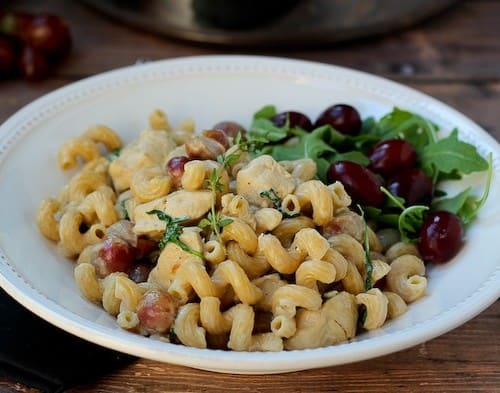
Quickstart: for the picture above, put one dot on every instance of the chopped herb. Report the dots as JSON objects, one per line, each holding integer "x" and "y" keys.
{"x": 113, "y": 155}
{"x": 368, "y": 260}
{"x": 273, "y": 197}
{"x": 276, "y": 201}
{"x": 173, "y": 231}
{"x": 124, "y": 209}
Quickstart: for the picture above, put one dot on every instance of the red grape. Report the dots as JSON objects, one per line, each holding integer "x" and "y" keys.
{"x": 441, "y": 237}
{"x": 140, "y": 272}
{"x": 392, "y": 156}
{"x": 145, "y": 247}
{"x": 47, "y": 33}
{"x": 295, "y": 119}
{"x": 230, "y": 128}
{"x": 33, "y": 64}
{"x": 175, "y": 166}
{"x": 413, "y": 185}
{"x": 8, "y": 56}
{"x": 156, "y": 311}
{"x": 360, "y": 183}
{"x": 117, "y": 255}
{"x": 344, "y": 118}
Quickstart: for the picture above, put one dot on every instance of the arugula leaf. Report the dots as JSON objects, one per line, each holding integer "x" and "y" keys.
{"x": 265, "y": 112}
{"x": 265, "y": 129}
{"x": 409, "y": 126}
{"x": 173, "y": 231}
{"x": 410, "y": 221}
{"x": 463, "y": 204}
{"x": 450, "y": 154}
{"x": 354, "y": 156}
{"x": 315, "y": 145}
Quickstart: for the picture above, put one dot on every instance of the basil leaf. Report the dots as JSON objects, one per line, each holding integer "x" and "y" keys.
{"x": 410, "y": 221}
{"x": 450, "y": 154}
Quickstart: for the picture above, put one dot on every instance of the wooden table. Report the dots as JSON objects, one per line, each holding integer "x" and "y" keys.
{"x": 454, "y": 57}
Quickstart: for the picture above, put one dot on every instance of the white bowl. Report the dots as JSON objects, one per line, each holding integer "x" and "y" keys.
{"x": 211, "y": 89}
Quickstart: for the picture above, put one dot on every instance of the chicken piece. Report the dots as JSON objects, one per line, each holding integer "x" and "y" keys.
{"x": 150, "y": 149}
{"x": 182, "y": 203}
{"x": 263, "y": 174}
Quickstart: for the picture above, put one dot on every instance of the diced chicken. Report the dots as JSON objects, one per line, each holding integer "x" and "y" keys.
{"x": 150, "y": 149}
{"x": 263, "y": 174}
{"x": 182, "y": 203}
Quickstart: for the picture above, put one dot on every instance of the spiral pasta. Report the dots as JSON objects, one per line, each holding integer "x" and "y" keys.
{"x": 224, "y": 251}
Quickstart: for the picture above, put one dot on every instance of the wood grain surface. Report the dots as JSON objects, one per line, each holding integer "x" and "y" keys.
{"x": 454, "y": 57}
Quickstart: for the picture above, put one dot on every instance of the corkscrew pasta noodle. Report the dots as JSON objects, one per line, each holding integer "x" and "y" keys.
{"x": 225, "y": 251}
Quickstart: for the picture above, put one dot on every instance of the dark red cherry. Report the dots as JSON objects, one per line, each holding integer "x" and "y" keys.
{"x": 33, "y": 64}
{"x": 392, "y": 156}
{"x": 413, "y": 185}
{"x": 8, "y": 56}
{"x": 360, "y": 183}
{"x": 295, "y": 119}
{"x": 47, "y": 33}
{"x": 441, "y": 237}
{"x": 344, "y": 118}
{"x": 230, "y": 128}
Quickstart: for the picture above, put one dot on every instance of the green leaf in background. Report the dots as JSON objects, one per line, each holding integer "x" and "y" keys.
{"x": 265, "y": 130}
{"x": 465, "y": 205}
{"x": 450, "y": 154}
{"x": 315, "y": 145}
{"x": 265, "y": 112}
{"x": 410, "y": 221}
{"x": 354, "y": 156}
{"x": 406, "y": 125}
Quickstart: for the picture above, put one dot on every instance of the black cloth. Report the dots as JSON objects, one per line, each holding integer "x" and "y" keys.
{"x": 38, "y": 354}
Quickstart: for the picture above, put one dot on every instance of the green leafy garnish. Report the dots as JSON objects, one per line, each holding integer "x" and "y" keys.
{"x": 276, "y": 201}
{"x": 113, "y": 155}
{"x": 450, "y": 154}
{"x": 463, "y": 204}
{"x": 273, "y": 197}
{"x": 368, "y": 260}
{"x": 215, "y": 222}
{"x": 124, "y": 209}
{"x": 265, "y": 112}
{"x": 173, "y": 231}
{"x": 411, "y": 218}
{"x": 409, "y": 126}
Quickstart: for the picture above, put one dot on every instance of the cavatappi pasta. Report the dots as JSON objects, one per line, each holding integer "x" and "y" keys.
{"x": 186, "y": 238}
